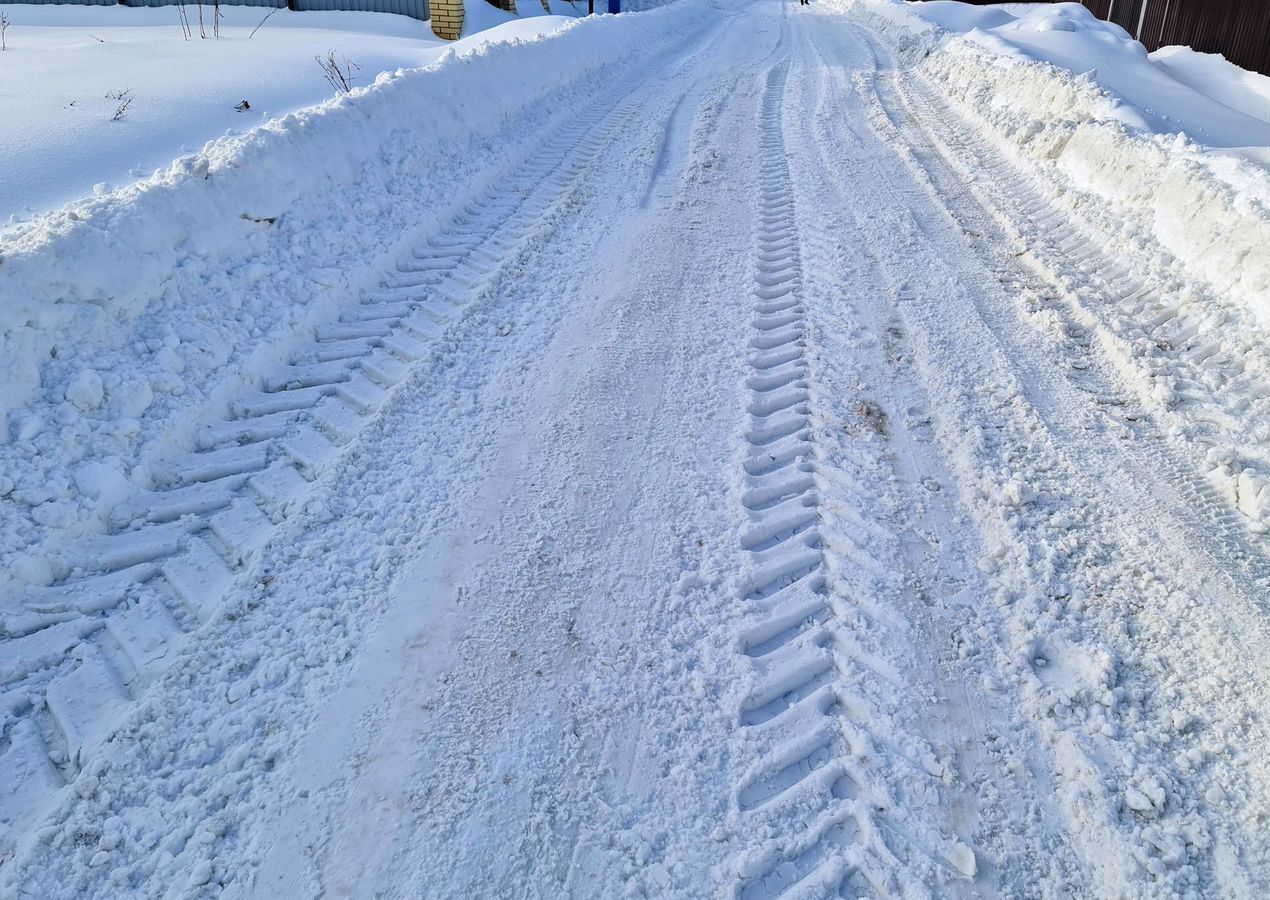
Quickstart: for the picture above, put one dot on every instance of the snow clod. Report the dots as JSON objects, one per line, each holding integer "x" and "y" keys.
{"x": 86, "y": 392}
{"x": 963, "y": 859}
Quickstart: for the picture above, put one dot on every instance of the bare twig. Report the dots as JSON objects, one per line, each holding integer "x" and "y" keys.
{"x": 124, "y": 100}
{"x": 263, "y": 21}
{"x": 185, "y": 21}
{"x": 4, "y": 26}
{"x": 216, "y": 18}
{"x": 339, "y": 77}
{"x": 202, "y": 30}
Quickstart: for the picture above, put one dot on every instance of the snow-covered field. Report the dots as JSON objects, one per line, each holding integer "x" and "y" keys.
{"x": 736, "y": 449}
{"x": 69, "y": 69}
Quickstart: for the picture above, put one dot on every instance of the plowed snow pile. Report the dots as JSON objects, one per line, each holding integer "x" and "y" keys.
{"x": 1079, "y": 101}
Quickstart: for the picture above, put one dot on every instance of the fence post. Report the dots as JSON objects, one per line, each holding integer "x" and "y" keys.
{"x": 1164, "y": 21}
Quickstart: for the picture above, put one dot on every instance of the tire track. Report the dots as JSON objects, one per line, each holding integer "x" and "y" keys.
{"x": 1089, "y": 347}
{"x": 824, "y": 810}
{"x": 78, "y": 652}
{"x": 1101, "y": 459}
{"x": 889, "y": 475}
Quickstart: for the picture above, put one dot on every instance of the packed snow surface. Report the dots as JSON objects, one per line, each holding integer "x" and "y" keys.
{"x": 68, "y": 70}
{"x": 737, "y": 450}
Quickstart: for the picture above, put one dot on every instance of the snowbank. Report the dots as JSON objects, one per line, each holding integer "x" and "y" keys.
{"x": 1173, "y": 90}
{"x": 1215, "y": 77}
{"x": 58, "y": 134}
{"x": 1151, "y": 96}
{"x": 1084, "y": 105}
{"x": 961, "y": 17}
{"x": 130, "y": 315}
{"x": 480, "y": 15}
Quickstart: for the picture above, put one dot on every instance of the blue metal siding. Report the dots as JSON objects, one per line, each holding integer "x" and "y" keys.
{"x": 415, "y": 9}
{"x": 74, "y": 2}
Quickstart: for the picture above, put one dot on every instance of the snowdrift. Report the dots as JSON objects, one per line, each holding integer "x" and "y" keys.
{"x": 128, "y": 316}
{"x": 111, "y": 93}
{"x": 1133, "y": 170}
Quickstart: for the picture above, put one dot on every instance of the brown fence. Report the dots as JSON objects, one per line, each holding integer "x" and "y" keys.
{"x": 1237, "y": 29}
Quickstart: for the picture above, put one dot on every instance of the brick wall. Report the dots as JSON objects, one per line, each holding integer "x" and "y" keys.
{"x": 447, "y": 19}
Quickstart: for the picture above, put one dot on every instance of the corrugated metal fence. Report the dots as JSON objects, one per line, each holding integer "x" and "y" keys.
{"x": 1237, "y": 29}
{"x": 415, "y": 9}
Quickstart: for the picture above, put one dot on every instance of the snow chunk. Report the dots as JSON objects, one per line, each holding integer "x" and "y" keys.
{"x": 963, "y": 859}
{"x": 133, "y": 398}
{"x": 86, "y": 392}
{"x": 1146, "y": 797}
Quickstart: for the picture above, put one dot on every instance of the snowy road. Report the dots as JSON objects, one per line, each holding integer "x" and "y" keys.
{"x": 742, "y": 499}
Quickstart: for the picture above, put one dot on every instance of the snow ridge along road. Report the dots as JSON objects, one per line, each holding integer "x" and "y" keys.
{"x": 735, "y": 497}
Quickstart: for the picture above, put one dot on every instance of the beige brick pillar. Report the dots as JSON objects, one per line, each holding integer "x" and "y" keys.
{"x": 447, "y": 18}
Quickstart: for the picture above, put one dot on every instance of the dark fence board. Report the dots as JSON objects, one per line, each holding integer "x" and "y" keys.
{"x": 1125, "y": 13}
{"x": 1099, "y": 8}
